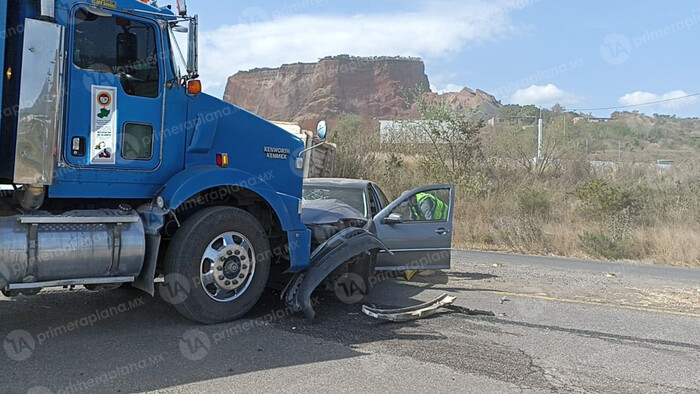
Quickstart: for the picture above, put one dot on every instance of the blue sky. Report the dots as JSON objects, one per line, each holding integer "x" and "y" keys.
{"x": 582, "y": 55}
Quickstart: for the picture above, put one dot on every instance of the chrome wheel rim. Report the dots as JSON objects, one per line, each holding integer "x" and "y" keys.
{"x": 227, "y": 267}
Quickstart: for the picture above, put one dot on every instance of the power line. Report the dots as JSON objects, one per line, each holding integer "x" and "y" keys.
{"x": 636, "y": 105}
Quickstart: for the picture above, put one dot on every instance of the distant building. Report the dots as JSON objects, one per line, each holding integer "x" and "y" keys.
{"x": 590, "y": 119}
{"x": 404, "y": 131}
{"x": 665, "y": 164}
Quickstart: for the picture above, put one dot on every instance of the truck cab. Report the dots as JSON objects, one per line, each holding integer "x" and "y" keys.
{"x": 122, "y": 170}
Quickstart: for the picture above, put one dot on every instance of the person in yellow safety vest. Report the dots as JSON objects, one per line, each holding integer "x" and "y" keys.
{"x": 425, "y": 206}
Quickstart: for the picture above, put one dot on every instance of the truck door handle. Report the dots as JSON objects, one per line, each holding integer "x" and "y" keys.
{"x": 442, "y": 231}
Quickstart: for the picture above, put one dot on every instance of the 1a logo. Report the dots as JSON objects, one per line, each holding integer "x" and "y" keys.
{"x": 195, "y": 345}
{"x": 616, "y": 49}
{"x": 350, "y": 288}
{"x": 19, "y": 345}
{"x": 175, "y": 289}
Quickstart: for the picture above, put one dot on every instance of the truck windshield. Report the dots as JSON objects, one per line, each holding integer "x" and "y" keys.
{"x": 176, "y": 57}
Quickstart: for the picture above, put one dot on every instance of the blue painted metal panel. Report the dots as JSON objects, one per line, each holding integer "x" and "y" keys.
{"x": 17, "y": 12}
{"x": 129, "y": 109}
{"x": 299, "y": 250}
{"x": 224, "y": 128}
{"x": 3, "y": 24}
{"x": 128, "y": 178}
{"x": 196, "y": 179}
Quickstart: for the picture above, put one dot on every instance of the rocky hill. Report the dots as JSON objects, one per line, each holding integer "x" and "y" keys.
{"x": 369, "y": 87}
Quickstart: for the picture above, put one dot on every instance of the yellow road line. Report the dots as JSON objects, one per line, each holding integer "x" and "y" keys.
{"x": 594, "y": 303}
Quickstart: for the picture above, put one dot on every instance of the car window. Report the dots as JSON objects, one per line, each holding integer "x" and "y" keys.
{"x": 373, "y": 203}
{"x": 382, "y": 197}
{"x": 427, "y": 206}
{"x": 356, "y": 198}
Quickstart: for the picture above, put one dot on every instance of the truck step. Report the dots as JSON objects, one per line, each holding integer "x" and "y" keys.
{"x": 78, "y": 219}
{"x": 71, "y": 282}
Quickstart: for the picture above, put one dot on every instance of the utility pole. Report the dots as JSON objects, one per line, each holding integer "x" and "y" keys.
{"x": 539, "y": 137}
{"x": 565, "y": 125}
{"x": 619, "y": 151}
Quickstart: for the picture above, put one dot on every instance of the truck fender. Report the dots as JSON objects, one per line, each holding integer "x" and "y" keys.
{"x": 194, "y": 180}
{"x": 325, "y": 259}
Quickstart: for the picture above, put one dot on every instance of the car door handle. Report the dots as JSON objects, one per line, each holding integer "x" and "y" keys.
{"x": 442, "y": 231}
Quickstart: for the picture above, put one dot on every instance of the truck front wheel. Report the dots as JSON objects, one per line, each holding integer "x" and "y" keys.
{"x": 217, "y": 265}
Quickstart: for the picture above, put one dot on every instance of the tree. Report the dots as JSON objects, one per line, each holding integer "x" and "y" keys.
{"x": 447, "y": 139}
{"x": 357, "y": 144}
{"x": 528, "y": 114}
{"x": 518, "y": 145}
{"x": 557, "y": 109}
{"x": 509, "y": 113}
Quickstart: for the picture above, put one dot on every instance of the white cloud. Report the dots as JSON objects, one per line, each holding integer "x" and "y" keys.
{"x": 678, "y": 99}
{"x": 449, "y": 88}
{"x": 545, "y": 96}
{"x": 638, "y": 98}
{"x": 438, "y": 30}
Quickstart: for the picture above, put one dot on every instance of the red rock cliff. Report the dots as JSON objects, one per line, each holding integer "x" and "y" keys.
{"x": 369, "y": 87}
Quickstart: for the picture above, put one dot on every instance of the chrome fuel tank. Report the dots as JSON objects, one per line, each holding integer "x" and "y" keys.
{"x": 79, "y": 244}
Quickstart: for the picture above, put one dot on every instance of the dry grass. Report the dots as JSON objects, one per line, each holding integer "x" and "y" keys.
{"x": 669, "y": 245}
{"x": 667, "y": 236}
{"x": 482, "y": 229}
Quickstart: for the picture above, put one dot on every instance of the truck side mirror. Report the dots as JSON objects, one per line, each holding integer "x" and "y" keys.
{"x": 322, "y": 130}
{"x": 193, "y": 48}
{"x": 181, "y": 7}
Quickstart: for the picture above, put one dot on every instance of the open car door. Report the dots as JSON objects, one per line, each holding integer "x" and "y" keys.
{"x": 417, "y": 228}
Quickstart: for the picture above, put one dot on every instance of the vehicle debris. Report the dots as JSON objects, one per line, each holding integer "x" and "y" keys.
{"x": 470, "y": 312}
{"x": 410, "y": 274}
{"x": 411, "y": 313}
{"x": 325, "y": 259}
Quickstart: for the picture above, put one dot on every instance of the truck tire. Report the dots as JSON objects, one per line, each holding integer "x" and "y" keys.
{"x": 217, "y": 265}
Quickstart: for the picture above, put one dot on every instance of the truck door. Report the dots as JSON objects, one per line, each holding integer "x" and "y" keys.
{"x": 115, "y": 92}
{"x": 417, "y": 228}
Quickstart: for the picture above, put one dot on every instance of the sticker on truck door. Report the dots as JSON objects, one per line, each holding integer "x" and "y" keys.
{"x": 103, "y": 135}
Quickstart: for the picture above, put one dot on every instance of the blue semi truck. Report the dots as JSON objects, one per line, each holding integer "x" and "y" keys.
{"x": 123, "y": 173}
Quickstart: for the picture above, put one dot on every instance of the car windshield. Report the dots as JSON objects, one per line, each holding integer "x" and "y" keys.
{"x": 353, "y": 197}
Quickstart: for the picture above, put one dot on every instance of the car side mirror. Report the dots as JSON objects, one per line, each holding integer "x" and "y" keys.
{"x": 394, "y": 218}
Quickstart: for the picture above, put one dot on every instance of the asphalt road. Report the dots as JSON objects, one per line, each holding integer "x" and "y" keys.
{"x": 560, "y": 325}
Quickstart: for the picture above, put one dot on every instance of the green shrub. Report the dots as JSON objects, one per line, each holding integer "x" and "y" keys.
{"x": 535, "y": 203}
{"x": 602, "y": 246}
{"x": 600, "y": 200}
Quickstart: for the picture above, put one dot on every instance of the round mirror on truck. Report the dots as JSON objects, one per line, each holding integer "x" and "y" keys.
{"x": 322, "y": 130}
